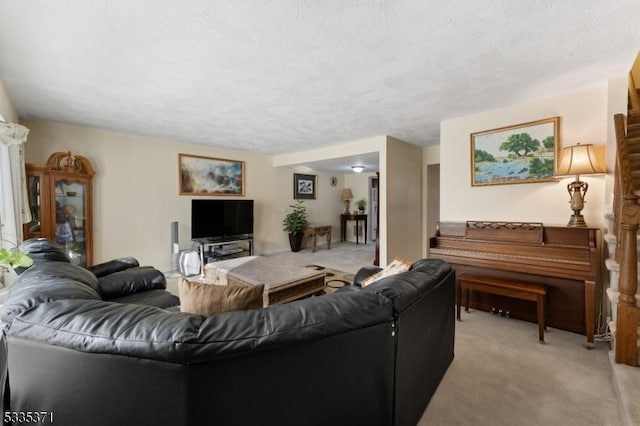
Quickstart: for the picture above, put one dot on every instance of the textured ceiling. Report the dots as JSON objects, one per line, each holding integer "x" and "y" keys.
{"x": 288, "y": 75}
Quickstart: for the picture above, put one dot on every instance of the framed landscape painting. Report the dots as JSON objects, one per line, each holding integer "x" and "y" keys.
{"x": 210, "y": 176}
{"x": 522, "y": 153}
{"x": 304, "y": 187}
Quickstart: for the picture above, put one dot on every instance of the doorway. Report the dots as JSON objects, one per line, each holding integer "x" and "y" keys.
{"x": 433, "y": 199}
{"x": 373, "y": 208}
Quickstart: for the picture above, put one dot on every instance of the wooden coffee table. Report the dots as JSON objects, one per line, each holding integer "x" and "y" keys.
{"x": 281, "y": 283}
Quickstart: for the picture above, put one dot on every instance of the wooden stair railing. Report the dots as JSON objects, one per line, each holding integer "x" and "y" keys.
{"x": 627, "y": 212}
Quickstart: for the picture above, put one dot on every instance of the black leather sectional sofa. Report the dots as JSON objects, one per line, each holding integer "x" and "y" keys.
{"x": 359, "y": 356}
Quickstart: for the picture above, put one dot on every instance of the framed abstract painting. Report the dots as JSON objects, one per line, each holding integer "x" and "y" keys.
{"x": 304, "y": 186}
{"x": 210, "y": 176}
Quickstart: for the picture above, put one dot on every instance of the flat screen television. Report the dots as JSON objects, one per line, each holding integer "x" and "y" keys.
{"x": 216, "y": 219}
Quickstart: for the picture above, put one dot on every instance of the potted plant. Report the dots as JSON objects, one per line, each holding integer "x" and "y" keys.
{"x": 11, "y": 258}
{"x": 361, "y": 204}
{"x": 294, "y": 224}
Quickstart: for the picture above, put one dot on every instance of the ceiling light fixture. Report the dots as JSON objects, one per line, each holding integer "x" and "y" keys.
{"x": 357, "y": 169}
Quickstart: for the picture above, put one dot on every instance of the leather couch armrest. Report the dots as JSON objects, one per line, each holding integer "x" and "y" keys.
{"x": 364, "y": 272}
{"x": 406, "y": 287}
{"x": 129, "y": 281}
{"x": 113, "y": 266}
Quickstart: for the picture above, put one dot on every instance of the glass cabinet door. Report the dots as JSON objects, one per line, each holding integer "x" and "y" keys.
{"x": 71, "y": 212}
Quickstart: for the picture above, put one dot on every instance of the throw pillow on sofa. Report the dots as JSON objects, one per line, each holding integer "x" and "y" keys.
{"x": 210, "y": 299}
{"x": 395, "y": 267}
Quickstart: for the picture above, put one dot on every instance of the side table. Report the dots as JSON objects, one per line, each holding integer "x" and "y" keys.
{"x": 343, "y": 226}
{"x": 315, "y": 231}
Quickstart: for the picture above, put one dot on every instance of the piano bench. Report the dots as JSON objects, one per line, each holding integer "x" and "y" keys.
{"x": 518, "y": 290}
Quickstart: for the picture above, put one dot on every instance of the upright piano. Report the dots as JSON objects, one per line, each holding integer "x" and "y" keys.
{"x": 564, "y": 259}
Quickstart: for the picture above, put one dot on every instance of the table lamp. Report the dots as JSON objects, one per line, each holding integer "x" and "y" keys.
{"x": 578, "y": 160}
{"x": 346, "y": 195}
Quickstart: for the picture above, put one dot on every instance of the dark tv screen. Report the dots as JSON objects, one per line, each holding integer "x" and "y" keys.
{"x": 221, "y": 218}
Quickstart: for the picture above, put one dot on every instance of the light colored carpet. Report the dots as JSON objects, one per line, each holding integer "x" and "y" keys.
{"x": 501, "y": 375}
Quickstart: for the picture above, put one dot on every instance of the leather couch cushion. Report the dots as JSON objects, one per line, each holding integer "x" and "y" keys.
{"x": 42, "y": 250}
{"x": 129, "y": 281}
{"x": 47, "y": 282}
{"x": 210, "y": 299}
{"x": 112, "y": 266}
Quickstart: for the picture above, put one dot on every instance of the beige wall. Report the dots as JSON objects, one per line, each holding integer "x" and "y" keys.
{"x": 7, "y": 110}
{"x": 584, "y": 118}
{"x": 136, "y": 190}
{"x": 402, "y": 213}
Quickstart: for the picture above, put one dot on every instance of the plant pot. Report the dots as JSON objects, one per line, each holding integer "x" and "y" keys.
{"x": 10, "y": 276}
{"x": 295, "y": 241}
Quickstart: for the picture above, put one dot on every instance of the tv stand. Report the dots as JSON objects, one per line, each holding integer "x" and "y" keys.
{"x": 207, "y": 240}
{"x": 221, "y": 248}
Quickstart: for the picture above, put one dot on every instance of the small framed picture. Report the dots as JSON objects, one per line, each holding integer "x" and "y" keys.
{"x": 304, "y": 186}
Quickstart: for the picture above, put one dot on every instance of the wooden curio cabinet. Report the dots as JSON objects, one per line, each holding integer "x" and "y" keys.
{"x": 61, "y": 203}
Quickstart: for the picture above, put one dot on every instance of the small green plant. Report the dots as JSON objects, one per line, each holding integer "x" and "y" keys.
{"x": 297, "y": 219}
{"x": 12, "y": 258}
{"x": 361, "y": 204}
